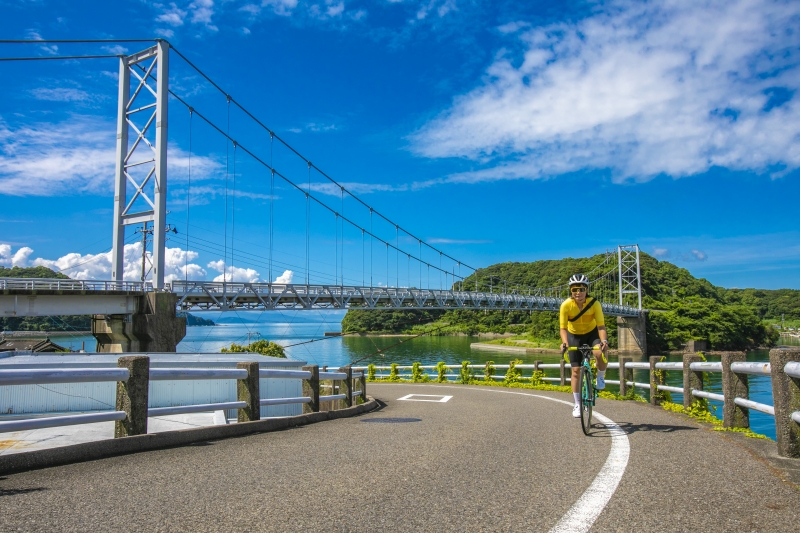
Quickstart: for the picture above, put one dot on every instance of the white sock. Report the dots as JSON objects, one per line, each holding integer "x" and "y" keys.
{"x": 577, "y": 396}
{"x": 601, "y": 373}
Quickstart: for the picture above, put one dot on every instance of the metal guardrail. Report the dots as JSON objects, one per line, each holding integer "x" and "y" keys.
{"x": 47, "y": 284}
{"x": 16, "y": 377}
{"x": 692, "y": 386}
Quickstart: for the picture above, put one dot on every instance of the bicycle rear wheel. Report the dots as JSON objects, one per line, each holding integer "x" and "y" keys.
{"x": 587, "y": 399}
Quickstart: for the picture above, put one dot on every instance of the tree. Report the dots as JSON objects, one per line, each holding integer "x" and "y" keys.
{"x": 263, "y": 347}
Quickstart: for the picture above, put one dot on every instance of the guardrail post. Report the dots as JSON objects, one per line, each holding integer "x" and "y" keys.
{"x": 655, "y": 380}
{"x": 311, "y": 389}
{"x": 362, "y": 382}
{"x": 734, "y": 385}
{"x": 346, "y": 387}
{"x": 691, "y": 379}
{"x": 623, "y": 374}
{"x": 247, "y": 390}
{"x": 563, "y": 372}
{"x": 132, "y": 396}
{"x": 786, "y": 398}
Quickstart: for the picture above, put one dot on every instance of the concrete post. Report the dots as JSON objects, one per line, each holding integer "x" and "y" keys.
{"x": 132, "y": 396}
{"x": 535, "y": 368}
{"x": 632, "y": 334}
{"x": 691, "y": 379}
{"x": 655, "y": 381}
{"x": 623, "y": 374}
{"x": 786, "y": 398}
{"x": 247, "y": 390}
{"x": 346, "y": 387}
{"x": 734, "y": 385}
{"x": 311, "y": 389}
{"x": 563, "y": 371}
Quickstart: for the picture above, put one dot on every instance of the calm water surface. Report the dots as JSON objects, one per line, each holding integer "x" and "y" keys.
{"x": 294, "y": 329}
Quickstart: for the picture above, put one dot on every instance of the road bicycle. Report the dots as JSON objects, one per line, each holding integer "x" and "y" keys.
{"x": 587, "y": 386}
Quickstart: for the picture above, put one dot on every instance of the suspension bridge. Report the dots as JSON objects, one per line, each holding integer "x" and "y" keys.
{"x": 398, "y": 270}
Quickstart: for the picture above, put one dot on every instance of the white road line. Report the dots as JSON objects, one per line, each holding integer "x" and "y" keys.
{"x": 584, "y": 512}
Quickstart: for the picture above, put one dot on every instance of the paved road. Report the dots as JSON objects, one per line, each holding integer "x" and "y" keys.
{"x": 485, "y": 460}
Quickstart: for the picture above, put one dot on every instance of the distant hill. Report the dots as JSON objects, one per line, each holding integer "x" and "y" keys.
{"x": 682, "y": 307}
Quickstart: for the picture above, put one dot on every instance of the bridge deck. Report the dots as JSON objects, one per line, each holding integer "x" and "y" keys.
{"x": 486, "y": 460}
{"x": 70, "y": 297}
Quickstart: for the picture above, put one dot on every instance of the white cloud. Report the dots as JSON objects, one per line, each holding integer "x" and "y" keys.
{"x": 660, "y": 253}
{"x": 17, "y": 259}
{"x": 642, "y": 89}
{"x": 356, "y": 188}
{"x": 76, "y": 156}
{"x": 700, "y": 256}
{"x": 512, "y": 27}
{"x": 116, "y": 49}
{"x": 280, "y": 7}
{"x": 177, "y": 263}
{"x": 437, "y": 240}
{"x": 286, "y": 277}
{"x": 172, "y": 16}
{"x": 234, "y": 273}
{"x": 60, "y": 94}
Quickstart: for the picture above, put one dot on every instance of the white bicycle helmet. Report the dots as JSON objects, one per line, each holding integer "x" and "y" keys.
{"x": 579, "y": 279}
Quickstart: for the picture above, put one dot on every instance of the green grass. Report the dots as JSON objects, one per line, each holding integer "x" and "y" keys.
{"x": 528, "y": 342}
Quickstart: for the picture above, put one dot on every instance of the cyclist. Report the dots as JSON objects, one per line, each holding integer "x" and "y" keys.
{"x": 583, "y": 323}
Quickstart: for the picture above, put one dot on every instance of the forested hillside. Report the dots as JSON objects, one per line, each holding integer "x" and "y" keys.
{"x": 681, "y": 306}
{"x": 41, "y": 323}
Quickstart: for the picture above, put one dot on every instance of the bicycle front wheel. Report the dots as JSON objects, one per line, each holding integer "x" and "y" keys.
{"x": 587, "y": 399}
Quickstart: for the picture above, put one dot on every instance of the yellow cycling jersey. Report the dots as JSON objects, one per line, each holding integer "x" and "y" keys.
{"x": 592, "y": 318}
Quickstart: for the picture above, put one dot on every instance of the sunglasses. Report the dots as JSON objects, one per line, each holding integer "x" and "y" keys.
{"x": 575, "y": 290}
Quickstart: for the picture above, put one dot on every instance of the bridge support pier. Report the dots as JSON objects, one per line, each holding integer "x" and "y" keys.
{"x": 152, "y": 328}
{"x": 631, "y": 334}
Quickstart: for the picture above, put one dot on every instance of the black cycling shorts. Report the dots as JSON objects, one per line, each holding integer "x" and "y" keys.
{"x": 592, "y": 339}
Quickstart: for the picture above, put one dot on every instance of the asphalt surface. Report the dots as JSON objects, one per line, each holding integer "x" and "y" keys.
{"x": 485, "y": 460}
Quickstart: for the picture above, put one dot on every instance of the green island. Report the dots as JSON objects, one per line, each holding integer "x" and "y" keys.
{"x": 66, "y": 322}
{"x": 681, "y": 308}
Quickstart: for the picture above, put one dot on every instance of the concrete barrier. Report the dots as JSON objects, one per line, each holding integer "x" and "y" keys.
{"x": 90, "y": 451}
{"x": 786, "y": 399}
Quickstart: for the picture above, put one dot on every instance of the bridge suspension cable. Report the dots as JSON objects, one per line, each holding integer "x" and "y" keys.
{"x": 303, "y": 158}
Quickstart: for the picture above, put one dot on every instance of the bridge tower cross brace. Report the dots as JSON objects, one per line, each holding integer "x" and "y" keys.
{"x": 630, "y": 273}
{"x": 150, "y": 71}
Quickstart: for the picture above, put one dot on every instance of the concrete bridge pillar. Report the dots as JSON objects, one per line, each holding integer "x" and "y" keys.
{"x": 631, "y": 334}
{"x": 152, "y": 328}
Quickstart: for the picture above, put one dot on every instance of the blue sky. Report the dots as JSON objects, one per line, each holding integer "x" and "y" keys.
{"x": 495, "y": 131}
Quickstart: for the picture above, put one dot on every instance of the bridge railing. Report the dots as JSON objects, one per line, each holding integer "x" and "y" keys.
{"x": 47, "y": 284}
{"x": 134, "y": 374}
{"x": 783, "y": 368}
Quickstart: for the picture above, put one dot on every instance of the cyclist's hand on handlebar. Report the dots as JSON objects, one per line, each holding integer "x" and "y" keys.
{"x": 563, "y": 347}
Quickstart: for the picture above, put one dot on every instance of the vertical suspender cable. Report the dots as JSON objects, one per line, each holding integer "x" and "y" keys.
{"x": 188, "y": 201}
{"x": 363, "y": 260}
{"x": 308, "y": 220}
{"x": 233, "y": 207}
{"x": 397, "y": 255}
{"x": 225, "y": 247}
{"x": 271, "y": 204}
{"x": 420, "y": 263}
{"x": 341, "y": 282}
{"x": 371, "y": 247}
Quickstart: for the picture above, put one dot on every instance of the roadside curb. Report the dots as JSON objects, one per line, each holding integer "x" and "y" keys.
{"x": 89, "y": 451}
